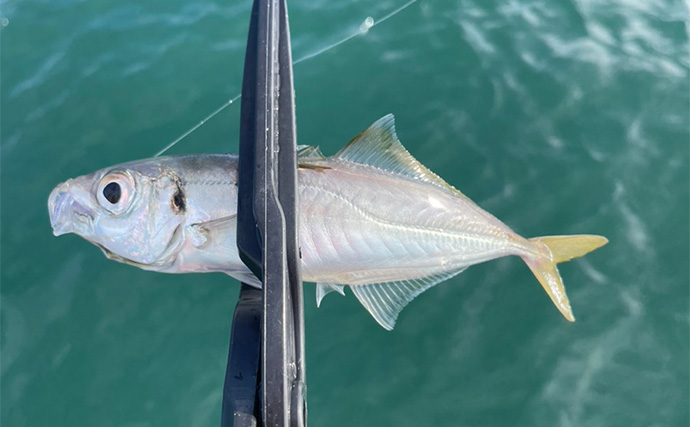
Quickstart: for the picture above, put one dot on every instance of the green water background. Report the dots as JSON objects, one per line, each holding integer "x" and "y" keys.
{"x": 558, "y": 117}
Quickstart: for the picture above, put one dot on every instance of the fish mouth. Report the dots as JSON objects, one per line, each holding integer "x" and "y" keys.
{"x": 66, "y": 214}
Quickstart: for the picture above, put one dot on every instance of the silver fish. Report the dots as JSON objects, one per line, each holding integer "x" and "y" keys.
{"x": 371, "y": 217}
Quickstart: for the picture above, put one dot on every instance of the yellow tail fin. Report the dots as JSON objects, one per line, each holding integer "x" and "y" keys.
{"x": 560, "y": 249}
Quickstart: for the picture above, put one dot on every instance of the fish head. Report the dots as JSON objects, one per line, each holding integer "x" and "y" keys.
{"x": 134, "y": 213}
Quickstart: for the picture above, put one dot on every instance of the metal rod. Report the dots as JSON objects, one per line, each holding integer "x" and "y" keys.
{"x": 267, "y": 221}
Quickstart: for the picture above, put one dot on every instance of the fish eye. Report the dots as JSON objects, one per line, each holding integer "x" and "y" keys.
{"x": 115, "y": 192}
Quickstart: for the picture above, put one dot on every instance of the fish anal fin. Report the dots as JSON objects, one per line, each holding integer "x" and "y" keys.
{"x": 385, "y": 301}
{"x": 323, "y": 289}
{"x": 378, "y": 146}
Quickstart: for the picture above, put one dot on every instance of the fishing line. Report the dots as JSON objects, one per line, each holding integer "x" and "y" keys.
{"x": 366, "y": 25}
{"x": 198, "y": 125}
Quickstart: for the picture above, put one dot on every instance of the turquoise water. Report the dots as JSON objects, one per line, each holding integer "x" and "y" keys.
{"x": 558, "y": 117}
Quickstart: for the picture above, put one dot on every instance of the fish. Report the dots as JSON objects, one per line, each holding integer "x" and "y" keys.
{"x": 371, "y": 218}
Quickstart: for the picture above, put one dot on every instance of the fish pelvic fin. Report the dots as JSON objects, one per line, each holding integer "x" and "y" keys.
{"x": 558, "y": 249}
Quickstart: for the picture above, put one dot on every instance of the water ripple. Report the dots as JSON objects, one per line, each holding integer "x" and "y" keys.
{"x": 40, "y": 75}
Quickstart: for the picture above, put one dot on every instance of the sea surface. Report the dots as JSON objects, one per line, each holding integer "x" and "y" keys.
{"x": 559, "y": 117}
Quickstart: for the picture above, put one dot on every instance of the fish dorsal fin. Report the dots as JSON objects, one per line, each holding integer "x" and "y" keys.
{"x": 384, "y": 301}
{"x": 309, "y": 152}
{"x": 310, "y": 157}
{"x": 323, "y": 289}
{"x": 378, "y": 146}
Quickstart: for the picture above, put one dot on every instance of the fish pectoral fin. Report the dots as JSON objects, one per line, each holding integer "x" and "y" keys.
{"x": 379, "y": 146}
{"x": 384, "y": 301}
{"x": 203, "y": 231}
{"x": 323, "y": 289}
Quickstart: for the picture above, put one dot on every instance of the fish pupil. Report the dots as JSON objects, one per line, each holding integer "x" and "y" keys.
{"x": 112, "y": 192}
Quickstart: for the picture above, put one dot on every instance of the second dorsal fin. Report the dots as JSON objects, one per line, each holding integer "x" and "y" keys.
{"x": 378, "y": 146}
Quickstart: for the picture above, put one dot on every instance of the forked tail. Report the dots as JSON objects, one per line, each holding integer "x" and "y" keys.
{"x": 557, "y": 249}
